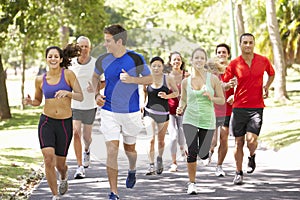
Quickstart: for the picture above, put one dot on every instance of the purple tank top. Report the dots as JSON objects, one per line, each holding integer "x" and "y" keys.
{"x": 50, "y": 90}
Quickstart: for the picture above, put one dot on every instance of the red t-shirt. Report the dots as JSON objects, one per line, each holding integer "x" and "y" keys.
{"x": 248, "y": 93}
{"x": 225, "y": 109}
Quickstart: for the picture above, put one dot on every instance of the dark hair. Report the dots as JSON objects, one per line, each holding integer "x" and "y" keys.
{"x": 223, "y": 45}
{"x": 182, "y": 67}
{"x": 200, "y": 49}
{"x": 69, "y": 52}
{"x": 118, "y": 32}
{"x": 246, "y": 34}
{"x": 157, "y": 58}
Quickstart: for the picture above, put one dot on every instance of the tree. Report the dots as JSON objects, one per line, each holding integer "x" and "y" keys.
{"x": 279, "y": 62}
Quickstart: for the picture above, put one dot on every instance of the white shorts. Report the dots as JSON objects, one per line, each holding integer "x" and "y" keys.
{"x": 113, "y": 124}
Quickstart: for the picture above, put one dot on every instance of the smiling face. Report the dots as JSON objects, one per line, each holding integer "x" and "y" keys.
{"x": 198, "y": 59}
{"x": 176, "y": 62}
{"x": 110, "y": 44}
{"x": 247, "y": 44}
{"x": 222, "y": 54}
{"x": 53, "y": 59}
{"x": 85, "y": 47}
{"x": 157, "y": 67}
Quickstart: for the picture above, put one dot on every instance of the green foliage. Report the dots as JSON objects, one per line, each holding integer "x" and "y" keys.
{"x": 22, "y": 119}
{"x": 16, "y": 163}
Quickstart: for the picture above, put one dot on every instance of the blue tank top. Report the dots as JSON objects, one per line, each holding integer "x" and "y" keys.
{"x": 154, "y": 101}
{"x": 49, "y": 90}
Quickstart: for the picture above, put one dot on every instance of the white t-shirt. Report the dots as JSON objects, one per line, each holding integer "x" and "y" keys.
{"x": 84, "y": 75}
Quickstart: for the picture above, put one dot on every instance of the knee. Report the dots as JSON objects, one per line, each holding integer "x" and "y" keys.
{"x": 76, "y": 133}
{"x": 192, "y": 155}
{"x": 49, "y": 160}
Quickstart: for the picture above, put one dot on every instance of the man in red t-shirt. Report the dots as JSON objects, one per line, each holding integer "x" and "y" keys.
{"x": 248, "y": 104}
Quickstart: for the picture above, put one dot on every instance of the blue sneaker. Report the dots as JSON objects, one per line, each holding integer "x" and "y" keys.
{"x": 113, "y": 196}
{"x": 131, "y": 179}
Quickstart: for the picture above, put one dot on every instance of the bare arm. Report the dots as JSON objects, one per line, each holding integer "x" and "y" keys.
{"x": 219, "y": 94}
{"x": 38, "y": 96}
{"x": 76, "y": 94}
{"x": 267, "y": 86}
{"x": 144, "y": 80}
{"x": 183, "y": 99}
{"x": 171, "y": 84}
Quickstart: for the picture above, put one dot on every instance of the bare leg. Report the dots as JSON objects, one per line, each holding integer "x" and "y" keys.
{"x": 131, "y": 155}
{"x": 192, "y": 168}
{"x": 49, "y": 160}
{"x": 87, "y": 136}
{"x": 77, "y": 141}
{"x": 252, "y": 143}
{"x": 112, "y": 148}
{"x": 223, "y": 148}
{"x": 238, "y": 152}
{"x": 162, "y": 129}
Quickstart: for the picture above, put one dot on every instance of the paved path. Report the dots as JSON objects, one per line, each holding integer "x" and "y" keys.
{"x": 277, "y": 175}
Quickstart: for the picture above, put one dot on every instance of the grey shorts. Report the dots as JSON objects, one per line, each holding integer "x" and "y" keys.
{"x": 85, "y": 116}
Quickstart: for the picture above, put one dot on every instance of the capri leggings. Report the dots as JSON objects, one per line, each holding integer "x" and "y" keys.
{"x": 176, "y": 132}
{"x": 56, "y": 133}
{"x": 198, "y": 141}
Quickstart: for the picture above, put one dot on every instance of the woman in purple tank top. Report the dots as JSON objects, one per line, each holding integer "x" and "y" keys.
{"x": 59, "y": 85}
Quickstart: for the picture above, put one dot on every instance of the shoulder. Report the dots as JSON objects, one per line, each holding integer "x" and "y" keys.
{"x": 69, "y": 73}
{"x": 138, "y": 58}
{"x": 39, "y": 78}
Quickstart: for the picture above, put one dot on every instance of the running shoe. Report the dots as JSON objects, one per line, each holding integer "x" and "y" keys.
{"x": 113, "y": 196}
{"x": 151, "y": 170}
{"x": 159, "y": 165}
{"x": 56, "y": 197}
{"x": 86, "y": 159}
{"x": 207, "y": 161}
{"x": 79, "y": 174}
{"x": 63, "y": 185}
{"x": 251, "y": 164}
{"x": 238, "y": 179}
{"x": 173, "y": 168}
{"x": 131, "y": 179}
{"x": 219, "y": 171}
{"x": 192, "y": 188}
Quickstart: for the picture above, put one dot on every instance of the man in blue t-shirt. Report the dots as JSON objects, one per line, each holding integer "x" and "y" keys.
{"x": 124, "y": 70}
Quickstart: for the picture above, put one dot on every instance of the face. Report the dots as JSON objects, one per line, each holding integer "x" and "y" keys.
{"x": 110, "y": 44}
{"x": 85, "y": 47}
{"x": 157, "y": 67}
{"x": 222, "y": 54}
{"x": 53, "y": 59}
{"x": 199, "y": 60}
{"x": 247, "y": 44}
{"x": 176, "y": 61}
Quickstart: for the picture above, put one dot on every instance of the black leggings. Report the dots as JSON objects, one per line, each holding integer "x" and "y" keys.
{"x": 198, "y": 141}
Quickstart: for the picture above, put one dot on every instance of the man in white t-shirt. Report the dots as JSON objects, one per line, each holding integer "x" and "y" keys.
{"x": 83, "y": 112}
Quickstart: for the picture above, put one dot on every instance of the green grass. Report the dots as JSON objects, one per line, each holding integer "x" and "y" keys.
{"x": 16, "y": 164}
{"x": 22, "y": 119}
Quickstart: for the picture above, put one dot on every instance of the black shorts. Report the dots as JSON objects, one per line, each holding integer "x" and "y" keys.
{"x": 222, "y": 121}
{"x": 246, "y": 120}
{"x": 56, "y": 133}
{"x": 85, "y": 116}
{"x": 157, "y": 118}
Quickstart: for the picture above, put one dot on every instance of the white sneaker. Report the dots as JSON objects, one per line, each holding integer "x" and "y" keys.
{"x": 56, "y": 197}
{"x": 80, "y": 173}
{"x": 63, "y": 185}
{"x": 207, "y": 161}
{"x": 183, "y": 155}
{"x": 192, "y": 188}
{"x": 219, "y": 171}
{"x": 173, "y": 168}
{"x": 86, "y": 159}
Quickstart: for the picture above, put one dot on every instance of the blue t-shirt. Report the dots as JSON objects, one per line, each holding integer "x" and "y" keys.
{"x": 121, "y": 97}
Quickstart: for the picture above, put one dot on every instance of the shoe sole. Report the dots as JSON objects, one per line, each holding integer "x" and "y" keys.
{"x": 79, "y": 177}
{"x": 192, "y": 193}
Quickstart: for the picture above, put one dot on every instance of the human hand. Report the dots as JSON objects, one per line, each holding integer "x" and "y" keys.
{"x": 27, "y": 100}
{"x": 125, "y": 77}
{"x": 265, "y": 92}
{"x": 90, "y": 87}
{"x": 100, "y": 100}
{"x": 179, "y": 110}
{"x": 230, "y": 99}
{"x": 162, "y": 95}
{"x": 232, "y": 82}
{"x": 61, "y": 94}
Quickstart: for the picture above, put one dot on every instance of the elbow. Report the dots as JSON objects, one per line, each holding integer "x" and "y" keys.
{"x": 81, "y": 98}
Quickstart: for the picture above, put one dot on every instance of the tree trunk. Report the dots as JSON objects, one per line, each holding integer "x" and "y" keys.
{"x": 280, "y": 92}
{"x": 297, "y": 57}
{"x": 23, "y": 79}
{"x": 4, "y": 106}
{"x": 240, "y": 20}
